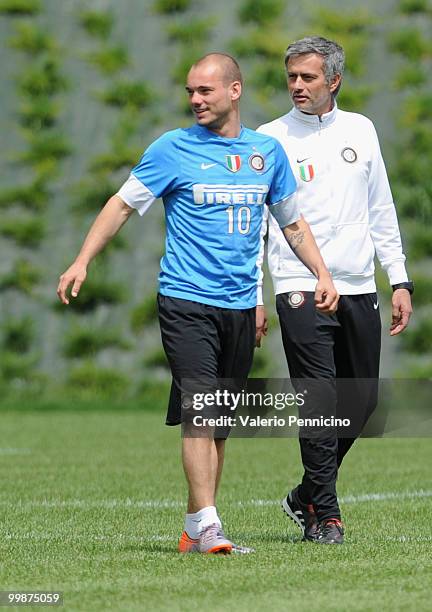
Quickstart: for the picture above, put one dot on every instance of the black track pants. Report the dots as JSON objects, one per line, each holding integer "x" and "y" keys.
{"x": 331, "y": 348}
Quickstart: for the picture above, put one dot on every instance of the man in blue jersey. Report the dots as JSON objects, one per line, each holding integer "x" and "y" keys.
{"x": 214, "y": 179}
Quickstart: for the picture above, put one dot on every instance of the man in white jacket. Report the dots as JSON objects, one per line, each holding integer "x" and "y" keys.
{"x": 344, "y": 194}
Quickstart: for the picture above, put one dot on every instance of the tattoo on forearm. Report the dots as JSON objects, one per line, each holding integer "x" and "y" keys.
{"x": 296, "y": 239}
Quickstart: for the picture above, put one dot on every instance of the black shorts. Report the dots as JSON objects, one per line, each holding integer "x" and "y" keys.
{"x": 204, "y": 342}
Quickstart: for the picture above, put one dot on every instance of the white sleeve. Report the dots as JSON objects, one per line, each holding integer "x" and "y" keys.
{"x": 383, "y": 223}
{"x": 136, "y": 195}
{"x": 260, "y": 259}
{"x": 286, "y": 211}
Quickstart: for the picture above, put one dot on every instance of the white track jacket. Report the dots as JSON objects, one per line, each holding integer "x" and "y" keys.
{"x": 344, "y": 194}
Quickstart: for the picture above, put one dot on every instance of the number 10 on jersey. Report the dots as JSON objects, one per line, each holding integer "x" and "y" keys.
{"x": 242, "y": 217}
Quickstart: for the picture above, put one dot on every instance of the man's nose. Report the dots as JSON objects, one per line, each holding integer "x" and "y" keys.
{"x": 298, "y": 83}
{"x": 195, "y": 99}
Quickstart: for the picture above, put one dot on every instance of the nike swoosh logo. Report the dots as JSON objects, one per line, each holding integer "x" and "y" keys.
{"x": 376, "y": 305}
{"x": 300, "y": 161}
{"x": 207, "y": 166}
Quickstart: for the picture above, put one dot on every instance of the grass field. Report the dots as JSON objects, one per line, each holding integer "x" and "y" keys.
{"x": 92, "y": 505}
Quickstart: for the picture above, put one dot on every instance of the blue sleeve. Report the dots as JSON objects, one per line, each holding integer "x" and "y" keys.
{"x": 283, "y": 184}
{"x": 158, "y": 168}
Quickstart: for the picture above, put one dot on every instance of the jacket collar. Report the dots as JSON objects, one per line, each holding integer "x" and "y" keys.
{"x": 315, "y": 120}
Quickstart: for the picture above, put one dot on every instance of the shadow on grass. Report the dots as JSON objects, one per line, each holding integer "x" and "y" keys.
{"x": 158, "y": 548}
{"x": 270, "y": 538}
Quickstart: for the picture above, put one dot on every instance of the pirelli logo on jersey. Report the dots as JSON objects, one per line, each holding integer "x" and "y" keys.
{"x": 230, "y": 194}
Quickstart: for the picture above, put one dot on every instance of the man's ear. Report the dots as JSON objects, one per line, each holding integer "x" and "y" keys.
{"x": 335, "y": 83}
{"x": 236, "y": 90}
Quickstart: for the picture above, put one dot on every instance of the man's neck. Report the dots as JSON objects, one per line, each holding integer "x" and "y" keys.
{"x": 327, "y": 109}
{"x": 230, "y": 129}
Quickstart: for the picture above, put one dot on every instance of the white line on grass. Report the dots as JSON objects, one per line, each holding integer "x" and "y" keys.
{"x": 121, "y": 538}
{"x": 86, "y": 537}
{"x": 161, "y": 504}
{"x": 88, "y": 505}
{"x": 352, "y": 499}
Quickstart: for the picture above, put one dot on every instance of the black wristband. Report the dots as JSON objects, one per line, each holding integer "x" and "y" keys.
{"x": 408, "y": 285}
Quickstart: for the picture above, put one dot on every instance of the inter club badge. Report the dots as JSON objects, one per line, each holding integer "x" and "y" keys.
{"x": 256, "y": 162}
{"x": 349, "y": 155}
{"x": 296, "y": 299}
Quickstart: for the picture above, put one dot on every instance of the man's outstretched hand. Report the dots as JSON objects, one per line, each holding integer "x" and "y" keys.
{"x": 75, "y": 275}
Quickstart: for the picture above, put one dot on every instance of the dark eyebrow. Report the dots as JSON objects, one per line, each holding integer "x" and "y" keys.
{"x": 200, "y": 88}
{"x": 302, "y": 74}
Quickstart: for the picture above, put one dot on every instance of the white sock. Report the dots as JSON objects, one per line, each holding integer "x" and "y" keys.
{"x": 198, "y": 521}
